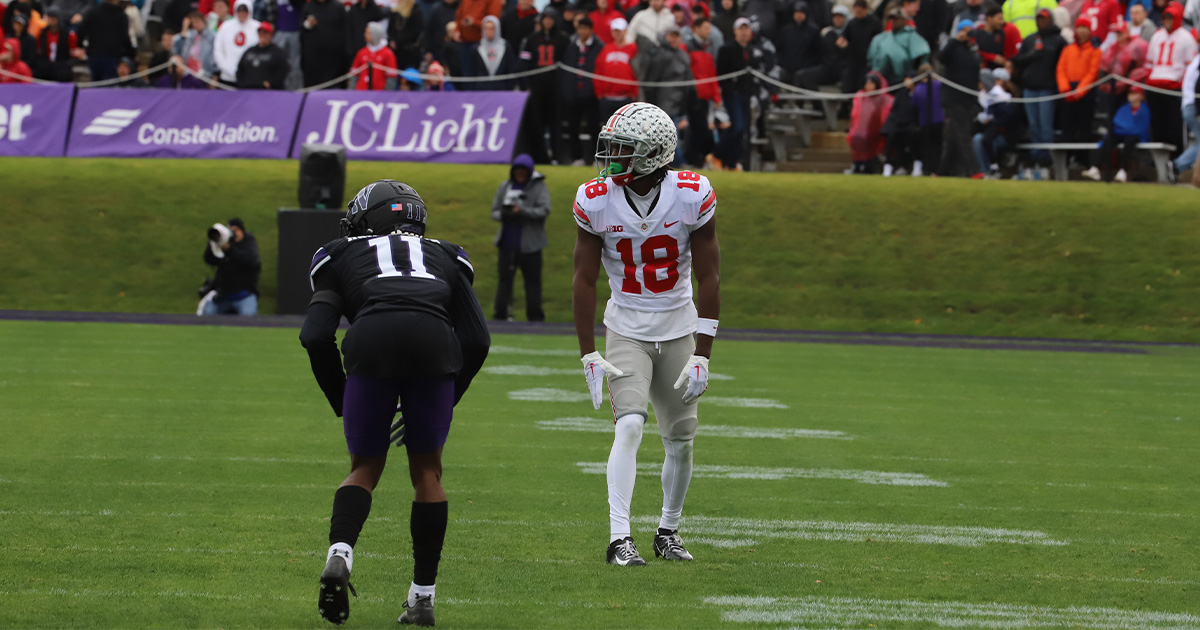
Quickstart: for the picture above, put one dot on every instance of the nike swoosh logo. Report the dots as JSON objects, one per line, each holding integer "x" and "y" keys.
{"x": 667, "y": 225}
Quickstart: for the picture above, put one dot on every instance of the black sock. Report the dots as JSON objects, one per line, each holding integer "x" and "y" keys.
{"x": 428, "y": 528}
{"x": 666, "y": 532}
{"x": 351, "y": 506}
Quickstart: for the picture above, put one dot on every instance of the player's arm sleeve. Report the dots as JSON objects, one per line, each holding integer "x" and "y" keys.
{"x": 586, "y": 219}
{"x": 318, "y": 335}
{"x": 470, "y": 326}
{"x": 703, "y": 207}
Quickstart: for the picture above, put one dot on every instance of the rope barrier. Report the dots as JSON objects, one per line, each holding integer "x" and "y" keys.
{"x": 786, "y": 87}
{"x": 132, "y": 77}
{"x": 24, "y": 79}
{"x": 499, "y": 77}
{"x": 202, "y": 78}
{"x": 825, "y": 95}
{"x": 321, "y": 86}
{"x": 652, "y": 84}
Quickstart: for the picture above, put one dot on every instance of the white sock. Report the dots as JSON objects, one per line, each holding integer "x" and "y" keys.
{"x": 676, "y": 477}
{"x": 345, "y": 551}
{"x": 417, "y": 589}
{"x": 622, "y": 473}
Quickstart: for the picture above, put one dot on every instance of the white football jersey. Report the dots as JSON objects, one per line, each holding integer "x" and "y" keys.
{"x": 648, "y": 259}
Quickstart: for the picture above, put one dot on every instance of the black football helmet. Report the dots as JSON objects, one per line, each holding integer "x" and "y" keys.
{"x": 384, "y": 207}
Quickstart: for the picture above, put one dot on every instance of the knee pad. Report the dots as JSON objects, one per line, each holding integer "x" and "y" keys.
{"x": 629, "y": 431}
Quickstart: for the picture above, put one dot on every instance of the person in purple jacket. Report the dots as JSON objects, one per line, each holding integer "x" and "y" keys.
{"x": 927, "y": 104}
{"x": 1130, "y": 126}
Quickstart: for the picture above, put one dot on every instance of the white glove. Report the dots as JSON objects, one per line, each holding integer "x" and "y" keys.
{"x": 594, "y": 369}
{"x": 695, "y": 374}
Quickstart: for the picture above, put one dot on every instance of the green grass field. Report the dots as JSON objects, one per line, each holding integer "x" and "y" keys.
{"x": 158, "y": 476}
{"x": 1087, "y": 261}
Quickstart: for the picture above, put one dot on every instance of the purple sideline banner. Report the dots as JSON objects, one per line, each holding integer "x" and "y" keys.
{"x": 466, "y": 127}
{"x": 34, "y": 119}
{"x": 115, "y": 122}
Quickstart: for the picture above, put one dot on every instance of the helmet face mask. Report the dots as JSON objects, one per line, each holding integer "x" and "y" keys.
{"x": 637, "y": 141}
{"x": 384, "y": 207}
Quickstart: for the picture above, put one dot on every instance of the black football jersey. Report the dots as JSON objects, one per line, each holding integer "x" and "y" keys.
{"x": 397, "y": 272}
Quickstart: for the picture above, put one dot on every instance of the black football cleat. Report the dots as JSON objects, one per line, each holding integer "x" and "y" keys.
{"x": 420, "y": 613}
{"x": 334, "y": 598}
{"x": 670, "y": 547}
{"x": 623, "y": 553}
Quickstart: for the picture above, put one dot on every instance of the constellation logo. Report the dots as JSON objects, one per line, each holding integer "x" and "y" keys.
{"x": 111, "y": 122}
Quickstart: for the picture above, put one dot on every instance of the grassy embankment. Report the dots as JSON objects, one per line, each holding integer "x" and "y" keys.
{"x": 799, "y": 251}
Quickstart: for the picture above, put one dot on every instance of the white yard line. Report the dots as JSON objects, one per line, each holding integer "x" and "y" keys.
{"x": 530, "y": 370}
{"x": 547, "y": 394}
{"x": 754, "y": 403}
{"x": 754, "y": 472}
{"x": 533, "y": 352}
{"x": 843, "y": 611}
{"x": 595, "y": 425}
{"x": 735, "y": 529}
{"x": 534, "y": 370}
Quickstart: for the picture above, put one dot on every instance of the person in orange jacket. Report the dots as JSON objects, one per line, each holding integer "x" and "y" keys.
{"x": 1078, "y": 68}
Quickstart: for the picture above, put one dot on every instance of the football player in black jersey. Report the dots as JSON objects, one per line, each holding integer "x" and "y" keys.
{"x": 417, "y": 336}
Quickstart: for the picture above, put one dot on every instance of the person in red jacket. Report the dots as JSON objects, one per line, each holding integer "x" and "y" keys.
{"x": 374, "y": 58}
{"x": 10, "y": 63}
{"x": 998, "y": 41}
{"x": 615, "y": 61}
{"x": 1102, "y": 16}
{"x": 602, "y": 17}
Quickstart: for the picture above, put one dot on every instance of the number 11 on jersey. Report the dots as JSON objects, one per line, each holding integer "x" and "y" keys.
{"x": 387, "y": 264}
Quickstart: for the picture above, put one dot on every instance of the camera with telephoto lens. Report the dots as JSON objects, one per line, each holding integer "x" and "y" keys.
{"x": 219, "y": 234}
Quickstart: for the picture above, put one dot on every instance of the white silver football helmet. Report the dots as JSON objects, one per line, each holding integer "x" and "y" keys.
{"x": 640, "y": 131}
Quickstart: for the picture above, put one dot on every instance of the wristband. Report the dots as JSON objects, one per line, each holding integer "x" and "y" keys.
{"x": 705, "y": 326}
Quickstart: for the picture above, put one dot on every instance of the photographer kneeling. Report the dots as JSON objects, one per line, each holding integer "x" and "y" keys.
{"x": 234, "y": 253}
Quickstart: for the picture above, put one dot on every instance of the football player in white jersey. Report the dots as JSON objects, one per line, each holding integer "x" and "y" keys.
{"x": 651, "y": 228}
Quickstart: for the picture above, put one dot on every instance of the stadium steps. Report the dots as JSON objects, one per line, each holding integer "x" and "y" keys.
{"x": 829, "y": 153}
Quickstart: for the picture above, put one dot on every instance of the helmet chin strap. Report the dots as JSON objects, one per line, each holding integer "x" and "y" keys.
{"x": 614, "y": 169}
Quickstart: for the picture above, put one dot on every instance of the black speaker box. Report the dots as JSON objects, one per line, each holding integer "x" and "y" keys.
{"x": 322, "y": 176}
{"x": 301, "y": 232}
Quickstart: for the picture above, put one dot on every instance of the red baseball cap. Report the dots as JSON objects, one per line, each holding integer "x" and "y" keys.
{"x": 1045, "y": 13}
{"x": 1082, "y": 21}
{"x": 266, "y": 26}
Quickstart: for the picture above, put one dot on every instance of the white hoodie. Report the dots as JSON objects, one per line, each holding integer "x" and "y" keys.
{"x": 233, "y": 39}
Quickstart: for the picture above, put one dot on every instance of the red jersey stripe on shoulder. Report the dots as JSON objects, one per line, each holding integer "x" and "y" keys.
{"x": 709, "y": 203}
{"x": 580, "y": 214}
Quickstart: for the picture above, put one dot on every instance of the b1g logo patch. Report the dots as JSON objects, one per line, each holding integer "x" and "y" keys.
{"x": 616, "y": 228}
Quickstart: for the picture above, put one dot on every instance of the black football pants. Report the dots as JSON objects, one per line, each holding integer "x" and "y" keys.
{"x": 531, "y": 271}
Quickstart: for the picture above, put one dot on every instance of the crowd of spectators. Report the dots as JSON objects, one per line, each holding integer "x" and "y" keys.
{"x": 1046, "y": 53}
